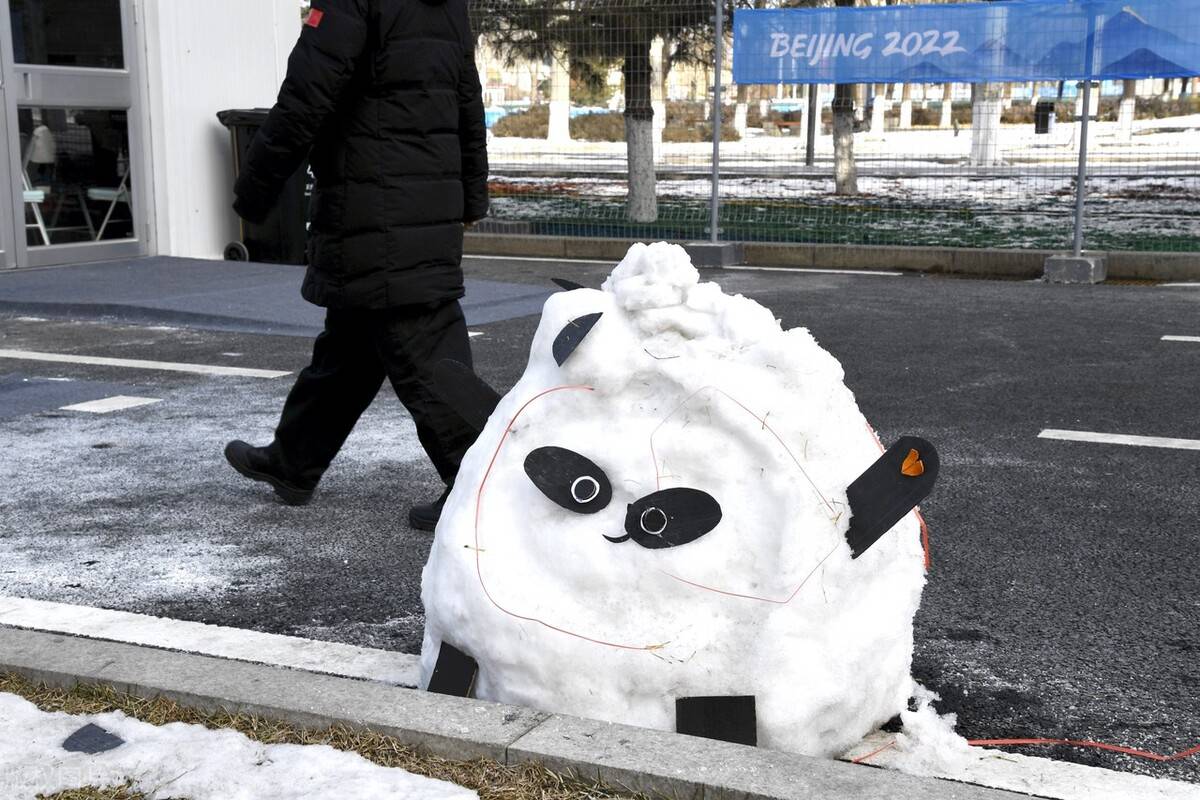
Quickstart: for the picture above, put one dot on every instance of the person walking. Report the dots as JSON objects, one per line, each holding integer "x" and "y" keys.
{"x": 383, "y": 98}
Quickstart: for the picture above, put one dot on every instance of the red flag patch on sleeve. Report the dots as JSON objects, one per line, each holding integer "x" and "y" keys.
{"x": 314, "y": 18}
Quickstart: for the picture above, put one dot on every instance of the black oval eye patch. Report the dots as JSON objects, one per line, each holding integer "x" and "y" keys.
{"x": 670, "y": 518}
{"x": 569, "y": 479}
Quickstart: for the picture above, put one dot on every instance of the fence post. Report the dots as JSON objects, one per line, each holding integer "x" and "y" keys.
{"x": 814, "y": 112}
{"x": 1078, "y": 268}
{"x": 1081, "y": 176}
{"x": 718, "y": 52}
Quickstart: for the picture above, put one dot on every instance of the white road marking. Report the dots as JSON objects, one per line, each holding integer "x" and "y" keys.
{"x": 1041, "y": 777}
{"x": 328, "y": 658}
{"x": 1121, "y": 438}
{"x": 108, "y": 405}
{"x": 473, "y": 334}
{"x": 31, "y": 319}
{"x": 1181, "y": 338}
{"x": 164, "y": 366}
{"x": 543, "y": 258}
{"x": 1191, "y": 285}
{"x": 815, "y": 271}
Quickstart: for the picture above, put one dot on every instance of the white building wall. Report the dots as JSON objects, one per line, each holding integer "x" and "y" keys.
{"x": 201, "y": 58}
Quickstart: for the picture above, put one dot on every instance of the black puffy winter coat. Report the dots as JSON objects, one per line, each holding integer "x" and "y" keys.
{"x": 383, "y": 97}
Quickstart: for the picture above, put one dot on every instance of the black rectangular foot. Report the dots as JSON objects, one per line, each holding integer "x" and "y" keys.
{"x": 726, "y": 719}
{"x": 454, "y": 673}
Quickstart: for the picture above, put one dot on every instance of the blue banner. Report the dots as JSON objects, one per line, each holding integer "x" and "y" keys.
{"x": 1012, "y": 41}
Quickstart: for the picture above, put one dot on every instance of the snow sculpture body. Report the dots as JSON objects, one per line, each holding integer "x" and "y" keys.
{"x": 664, "y": 516}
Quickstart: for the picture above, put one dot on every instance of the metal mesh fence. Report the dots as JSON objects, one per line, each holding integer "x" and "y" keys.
{"x": 600, "y": 115}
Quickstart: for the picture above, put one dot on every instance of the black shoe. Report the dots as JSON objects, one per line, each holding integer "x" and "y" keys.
{"x": 255, "y": 463}
{"x": 425, "y": 517}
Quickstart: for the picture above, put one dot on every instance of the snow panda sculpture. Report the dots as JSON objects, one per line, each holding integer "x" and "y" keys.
{"x": 671, "y": 504}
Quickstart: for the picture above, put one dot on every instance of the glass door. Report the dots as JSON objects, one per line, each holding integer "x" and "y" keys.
{"x": 75, "y": 142}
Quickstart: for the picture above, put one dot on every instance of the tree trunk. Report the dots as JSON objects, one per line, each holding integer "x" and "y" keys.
{"x": 985, "y": 125}
{"x": 906, "y": 107}
{"x": 845, "y": 173}
{"x": 880, "y": 105}
{"x": 1127, "y": 111}
{"x": 741, "y": 112}
{"x": 947, "y": 105}
{"x": 639, "y": 131}
{"x": 658, "y": 90}
{"x": 560, "y": 98}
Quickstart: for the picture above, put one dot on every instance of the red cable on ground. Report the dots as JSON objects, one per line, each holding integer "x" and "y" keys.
{"x": 873, "y": 753}
{"x": 925, "y": 541}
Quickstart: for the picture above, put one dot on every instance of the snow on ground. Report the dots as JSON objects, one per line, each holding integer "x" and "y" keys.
{"x": 929, "y": 747}
{"x": 915, "y": 188}
{"x": 189, "y": 761}
{"x": 1159, "y": 140}
{"x": 138, "y": 509}
{"x": 1149, "y": 193}
{"x": 1147, "y": 213}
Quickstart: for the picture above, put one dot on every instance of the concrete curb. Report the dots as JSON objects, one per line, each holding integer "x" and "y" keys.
{"x": 951, "y": 260}
{"x": 654, "y": 762}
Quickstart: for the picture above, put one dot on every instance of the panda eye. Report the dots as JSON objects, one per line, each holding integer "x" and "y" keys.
{"x": 671, "y": 517}
{"x": 569, "y": 479}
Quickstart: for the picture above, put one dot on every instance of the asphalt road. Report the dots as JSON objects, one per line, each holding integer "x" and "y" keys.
{"x": 1064, "y": 599}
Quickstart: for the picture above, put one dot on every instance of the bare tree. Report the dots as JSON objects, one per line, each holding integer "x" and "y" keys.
{"x": 845, "y": 171}
{"x": 606, "y": 29}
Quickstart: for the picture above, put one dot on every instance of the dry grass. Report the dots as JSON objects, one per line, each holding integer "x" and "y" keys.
{"x": 493, "y": 781}
{"x": 94, "y": 793}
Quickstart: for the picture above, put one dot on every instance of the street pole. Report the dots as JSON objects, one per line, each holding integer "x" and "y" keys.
{"x": 716, "y": 159}
{"x": 814, "y": 109}
{"x": 1081, "y": 177}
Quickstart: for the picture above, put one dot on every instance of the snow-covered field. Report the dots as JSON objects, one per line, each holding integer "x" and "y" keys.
{"x": 915, "y": 187}
{"x": 1172, "y": 139}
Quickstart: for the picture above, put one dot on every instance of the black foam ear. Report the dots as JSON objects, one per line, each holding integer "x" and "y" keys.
{"x": 465, "y": 392}
{"x": 889, "y": 489}
{"x": 572, "y": 335}
{"x": 569, "y": 286}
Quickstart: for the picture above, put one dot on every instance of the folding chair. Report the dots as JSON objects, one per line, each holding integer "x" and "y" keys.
{"x": 35, "y": 198}
{"x": 112, "y": 197}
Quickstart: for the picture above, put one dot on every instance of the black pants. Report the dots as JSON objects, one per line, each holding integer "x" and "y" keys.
{"x": 353, "y": 355}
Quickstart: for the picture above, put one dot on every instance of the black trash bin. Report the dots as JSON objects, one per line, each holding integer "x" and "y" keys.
{"x": 281, "y": 238}
{"x": 1043, "y": 116}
